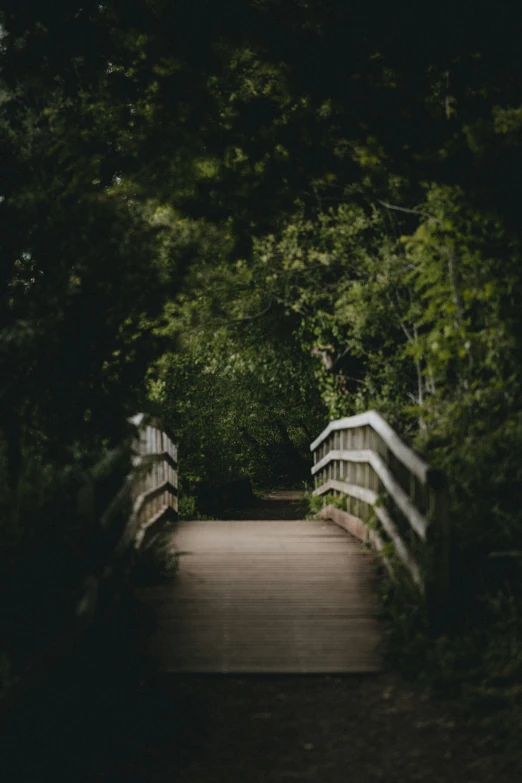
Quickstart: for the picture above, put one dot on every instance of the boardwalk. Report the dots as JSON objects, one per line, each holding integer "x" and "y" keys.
{"x": 280, "y": 596}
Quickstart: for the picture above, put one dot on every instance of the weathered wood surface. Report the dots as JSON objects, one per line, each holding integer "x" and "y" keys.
{"x": 266, "y": 597}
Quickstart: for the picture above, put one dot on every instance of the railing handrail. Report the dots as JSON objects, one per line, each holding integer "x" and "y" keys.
{"x": 417, "y": 520}
{"x": 364, "y": 459}
{"x": 145, "y": 514}
{"x": 404, "y": 453}
{"x": 153, "y": 477}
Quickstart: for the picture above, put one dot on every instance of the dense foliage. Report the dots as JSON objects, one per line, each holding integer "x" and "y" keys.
{"x": 251, "y": 222}
{"x": 239, "y": 391}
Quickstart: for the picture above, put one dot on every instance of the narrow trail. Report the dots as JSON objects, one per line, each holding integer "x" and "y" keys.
{"x": 124, "y": 721}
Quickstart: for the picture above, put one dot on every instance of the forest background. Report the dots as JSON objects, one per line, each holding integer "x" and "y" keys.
{"x": 248, "y": 223}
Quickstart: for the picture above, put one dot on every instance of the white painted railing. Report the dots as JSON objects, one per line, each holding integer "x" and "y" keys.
{"x": 391, "y": 495}
{"x": 154, "y": 476}
{"x": 150, "y": 490}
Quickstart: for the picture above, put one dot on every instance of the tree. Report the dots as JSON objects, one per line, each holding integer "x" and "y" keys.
{"x": 239, "y": 391}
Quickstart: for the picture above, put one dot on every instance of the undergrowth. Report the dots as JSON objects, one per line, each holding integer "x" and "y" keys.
{"x": 157, "y": 561}
{"x": 188, "y": 509}
{"x": 475, "y": 662}
{"x": 317, "y": 502}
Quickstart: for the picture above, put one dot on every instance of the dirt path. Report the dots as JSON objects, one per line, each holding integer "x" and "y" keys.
{"x": 329, "y": 730}
{"x": 279, "y": 504}
{"x": 123, "y": 722}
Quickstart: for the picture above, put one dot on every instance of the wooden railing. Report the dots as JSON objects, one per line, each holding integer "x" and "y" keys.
{"x": 391, "y": 497}
{"x": 154, "y": 477}
{"x": 151, "y": 486}
{"x": 150, "y": 492}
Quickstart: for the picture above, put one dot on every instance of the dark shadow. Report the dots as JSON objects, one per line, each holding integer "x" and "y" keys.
{"x": 280, "y": 504}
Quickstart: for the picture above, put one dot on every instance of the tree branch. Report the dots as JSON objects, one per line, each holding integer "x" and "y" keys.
{"x": 406, "y": 209}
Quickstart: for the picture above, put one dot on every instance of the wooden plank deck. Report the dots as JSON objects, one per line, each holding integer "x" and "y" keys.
{"x": 280, "y": 596}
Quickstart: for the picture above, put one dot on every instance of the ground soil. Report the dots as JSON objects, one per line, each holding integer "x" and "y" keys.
{"x": 106, "y": 715}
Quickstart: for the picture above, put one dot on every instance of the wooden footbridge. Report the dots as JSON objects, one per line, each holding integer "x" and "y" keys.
{"x": 298, "y": 596}
{"x": 272, "y": 595}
